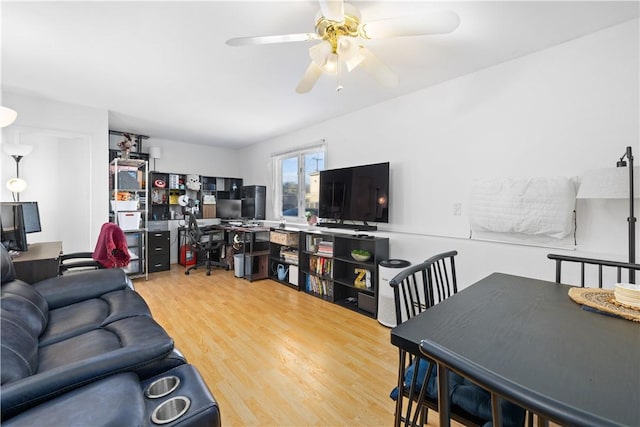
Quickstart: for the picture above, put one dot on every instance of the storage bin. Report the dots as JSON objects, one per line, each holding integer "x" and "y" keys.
{"x": 281, "y": 237}
{"x": 293, "y": 275}
{"x": 124, "y": 205}
{"x": 129, "y": 220}
{"x": 366, "y": 302}
{"x": 238, "y": 264}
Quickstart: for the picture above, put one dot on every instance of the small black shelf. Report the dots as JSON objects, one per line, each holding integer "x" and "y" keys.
{"x": 343, "y": 269}
{"x": 280, "y": 241}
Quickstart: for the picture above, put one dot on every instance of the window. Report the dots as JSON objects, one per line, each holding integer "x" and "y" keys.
{"x": 298, "y": 186}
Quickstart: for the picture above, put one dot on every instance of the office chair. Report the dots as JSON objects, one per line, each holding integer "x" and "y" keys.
{"x": 111, "y": 251}
{"x": 205, "y": 244}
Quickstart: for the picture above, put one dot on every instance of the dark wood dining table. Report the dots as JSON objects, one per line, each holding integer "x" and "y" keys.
{"x": 531, "y": 344}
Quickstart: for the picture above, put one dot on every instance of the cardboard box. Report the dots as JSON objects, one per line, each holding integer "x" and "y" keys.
{"x": 282, "y": 237}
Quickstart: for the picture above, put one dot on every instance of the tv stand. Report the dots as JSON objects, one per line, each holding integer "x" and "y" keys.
{"x": 356, "y": 227}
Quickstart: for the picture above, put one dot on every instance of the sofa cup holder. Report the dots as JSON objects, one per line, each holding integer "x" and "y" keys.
{"x": 162, "y": 387}
{"x": 170, "y": 410}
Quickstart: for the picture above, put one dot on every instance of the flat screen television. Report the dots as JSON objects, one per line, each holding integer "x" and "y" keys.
{"x": 358, "y": 193}
{"x": 16, "y": 220}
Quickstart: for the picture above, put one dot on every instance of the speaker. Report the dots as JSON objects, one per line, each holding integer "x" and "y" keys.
{"x": 253, "y": 201}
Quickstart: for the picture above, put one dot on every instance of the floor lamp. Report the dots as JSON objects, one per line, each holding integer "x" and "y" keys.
{"x": 615, "y": 183}
{"x": 17, "y": 152}
{"x": 631, "y": 219}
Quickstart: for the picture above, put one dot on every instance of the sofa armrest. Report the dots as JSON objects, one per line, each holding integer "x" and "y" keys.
{"x": 61, "y": 291}
{"x": 113, "y": 401}
{"x": 142, "y": 341}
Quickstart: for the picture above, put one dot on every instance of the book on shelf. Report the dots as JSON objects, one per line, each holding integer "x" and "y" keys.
{"x": 325, "y": 248}
{"x": 319, "y": 286}
{"x": 321, "y": 266}
{"x": 290, "y": 256}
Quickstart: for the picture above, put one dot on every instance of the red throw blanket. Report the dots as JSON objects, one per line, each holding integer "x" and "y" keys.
{"x": 111, "y": 250}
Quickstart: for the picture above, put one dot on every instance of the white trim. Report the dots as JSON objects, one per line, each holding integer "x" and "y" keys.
{"x": 311, "y": 146}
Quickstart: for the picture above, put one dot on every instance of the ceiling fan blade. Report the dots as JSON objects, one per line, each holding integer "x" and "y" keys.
{"x": 332, "y": 9}
{"x": 377, "y": 69}
{"x": 258, "y": 40}
{"x": 310, "y": 78}
{"x": 435, "y": 23}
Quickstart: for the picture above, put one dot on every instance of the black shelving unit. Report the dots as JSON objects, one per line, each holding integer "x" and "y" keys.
{"x": 328, "y": 270}
{"x": 167, "y": 187}
{"x": 284, "y": 257}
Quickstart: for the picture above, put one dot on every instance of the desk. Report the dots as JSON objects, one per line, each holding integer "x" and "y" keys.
{"x": 572, "y": 366}
{"x": 40, "y": 262}
{"x": 253, "y": 244}
{"x": 250, "y": 241}
{"x": 183, "y": 240}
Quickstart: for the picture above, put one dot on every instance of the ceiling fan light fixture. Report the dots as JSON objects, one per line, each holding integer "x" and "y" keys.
{"x": 349, "y": 52}
{"x": 340, "y": 30}
{"x": 320, "y": 52}
{"x": 331, "y": 66}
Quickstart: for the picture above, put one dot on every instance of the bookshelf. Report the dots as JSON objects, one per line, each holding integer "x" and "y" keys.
{"x": 328, "y": 270}
{"x": 284, "y": 257}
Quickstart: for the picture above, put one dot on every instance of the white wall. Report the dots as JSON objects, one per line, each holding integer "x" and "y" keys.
{"x": 67, "y": 170}
{"x": 560, "y": 111}
{"x": 185, "y": 158}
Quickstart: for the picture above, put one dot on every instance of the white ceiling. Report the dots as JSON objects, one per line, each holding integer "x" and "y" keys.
{"x": 163, "y": 69}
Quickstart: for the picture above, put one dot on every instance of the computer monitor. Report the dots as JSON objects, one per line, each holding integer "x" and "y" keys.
{"x": 14, "y": 236}
{"x": 229, "y": 209}
{"x": 31, "y": 216}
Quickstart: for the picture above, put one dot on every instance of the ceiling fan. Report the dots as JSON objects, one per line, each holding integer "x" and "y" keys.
{"x": 341, "y": 32}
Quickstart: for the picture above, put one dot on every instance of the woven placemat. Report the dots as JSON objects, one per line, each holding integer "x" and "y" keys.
{"x": 603, "y": 300}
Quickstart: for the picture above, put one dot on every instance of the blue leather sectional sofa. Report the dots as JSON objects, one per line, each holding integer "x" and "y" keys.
{"x": 83, "y": 349}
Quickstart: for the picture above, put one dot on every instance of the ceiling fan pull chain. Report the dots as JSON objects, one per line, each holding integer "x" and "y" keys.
{"x": 338, "y": 74}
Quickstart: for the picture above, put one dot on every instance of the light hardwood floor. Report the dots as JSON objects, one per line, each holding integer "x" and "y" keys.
{"x": 273, "y": 356}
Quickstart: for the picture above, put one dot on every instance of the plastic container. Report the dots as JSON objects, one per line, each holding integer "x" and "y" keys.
{"x": 238, "y": 265}
{"x": 124, "y": 205}
{"x": 387, "y": 270}
{"x": 129, "y": 220}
